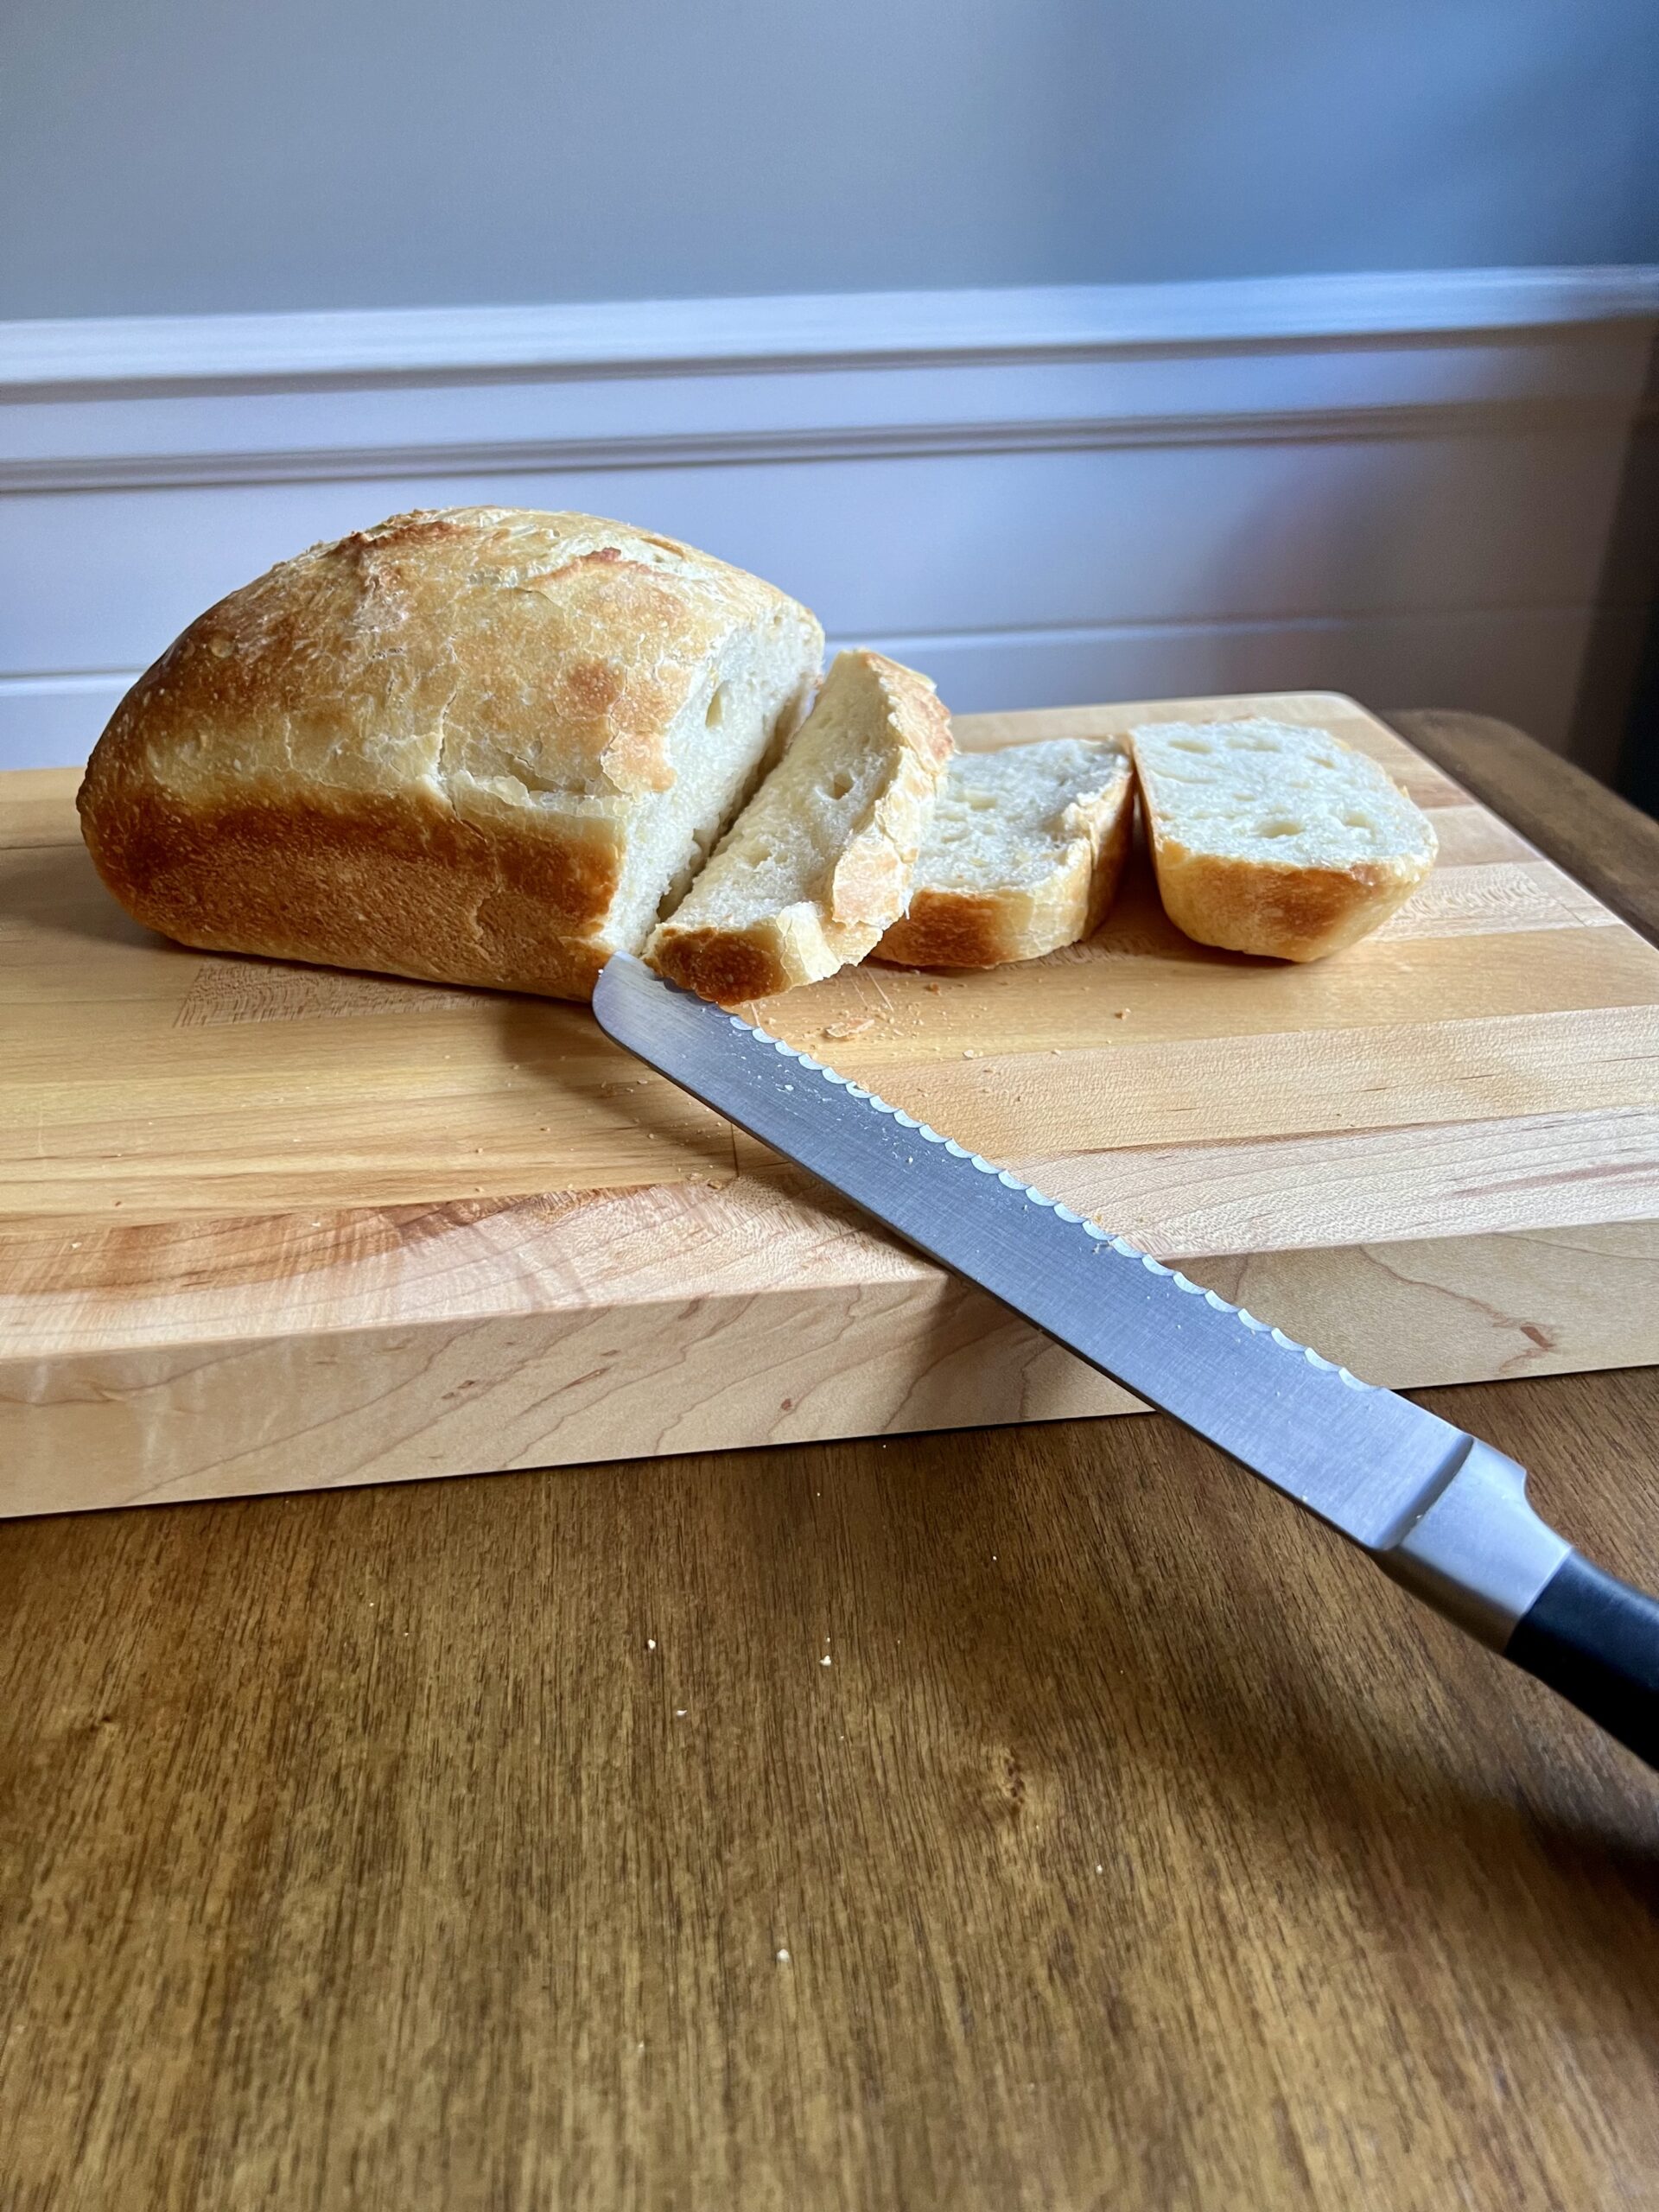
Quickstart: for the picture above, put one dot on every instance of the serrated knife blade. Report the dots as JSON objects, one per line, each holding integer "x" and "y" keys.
{"x": 1441, "y": 1511}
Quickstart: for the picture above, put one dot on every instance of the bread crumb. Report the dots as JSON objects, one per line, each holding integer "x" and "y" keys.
{"x": 934, "y": 987}
{"x": 826, "y": 1661}
{"x": 968, "y": 1053}
{"x": 783, "y": 1958}
{"x": 1123, "y": 1015}
{"x": 854, "y": 1028}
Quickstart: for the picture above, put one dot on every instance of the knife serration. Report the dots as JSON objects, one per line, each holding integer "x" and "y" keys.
{"x": 1361, "y": 1458}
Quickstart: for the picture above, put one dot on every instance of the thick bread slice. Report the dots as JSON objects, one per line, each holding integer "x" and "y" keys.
{"x": 819, "y": 862}
{"x": 1275, "y": 839}
{"x": 477, "y": 744}
{"x": 1022, "y": 856}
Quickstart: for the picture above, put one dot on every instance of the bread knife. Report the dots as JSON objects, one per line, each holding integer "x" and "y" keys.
{"x": 1436, "y": 1508}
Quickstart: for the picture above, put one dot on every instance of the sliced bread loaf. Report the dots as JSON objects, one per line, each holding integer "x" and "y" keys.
{"x": 1022, "y": 856}
{"x": 1272, "y": 838}
{"x": 820, "y": 861}
{"x": 479, "y": 744}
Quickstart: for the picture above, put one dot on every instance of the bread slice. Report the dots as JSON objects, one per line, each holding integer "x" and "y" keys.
{"x": 477, "y": 744}
{"x": 1271, "y": 838}
{"x": 819, "y": 862}
{"x": 1022, "y": 856}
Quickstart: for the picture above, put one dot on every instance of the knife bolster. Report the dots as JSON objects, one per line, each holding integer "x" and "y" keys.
{"x": 1478, "y": 1554}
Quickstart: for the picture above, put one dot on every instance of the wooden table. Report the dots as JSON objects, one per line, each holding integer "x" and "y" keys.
{"x": 1019, "y": 1818}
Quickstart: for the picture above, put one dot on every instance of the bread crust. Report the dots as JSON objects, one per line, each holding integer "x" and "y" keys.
{"x": 1281, "y": 913}
{"x": 727, "y": 965}
{"x": 400, "y": 886}
{"x": 868, "y": 887}
{"x": 1275, "y": 910}
{"x": 418, "y": 749}
{"x": 949, "y": 929}
{"x": 944, "y": 928}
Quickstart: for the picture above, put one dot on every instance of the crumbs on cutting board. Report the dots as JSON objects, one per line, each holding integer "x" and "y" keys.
{"x": 855, "y": 1028}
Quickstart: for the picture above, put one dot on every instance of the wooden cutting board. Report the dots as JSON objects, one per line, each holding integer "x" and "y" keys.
{"x": 268, "y": 1228}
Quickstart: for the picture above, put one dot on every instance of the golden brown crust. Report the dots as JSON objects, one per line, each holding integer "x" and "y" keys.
{"x": 1281, "y": 913}
{"x": 402, "y": 887}
{"x": 951, "y": 929}
{"x": 418, "y": 748}
{"x": 722, "y": 965}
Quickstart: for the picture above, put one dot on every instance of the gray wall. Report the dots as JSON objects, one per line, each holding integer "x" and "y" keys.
{"x": 173, "y": 157}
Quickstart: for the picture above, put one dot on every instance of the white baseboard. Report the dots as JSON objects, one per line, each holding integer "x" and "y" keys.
{"x": 1400, "y": 485}
{"x": 829, "y": 329}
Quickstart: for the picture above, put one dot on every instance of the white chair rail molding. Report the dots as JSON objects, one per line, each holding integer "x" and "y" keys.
{"x": 1405, "y": 486}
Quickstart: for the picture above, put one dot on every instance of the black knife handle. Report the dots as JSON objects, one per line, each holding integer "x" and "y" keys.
{"x": 1596, "y": 1640}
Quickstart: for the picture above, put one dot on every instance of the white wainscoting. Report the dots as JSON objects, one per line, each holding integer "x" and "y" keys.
{"x": 1402, "y": 486}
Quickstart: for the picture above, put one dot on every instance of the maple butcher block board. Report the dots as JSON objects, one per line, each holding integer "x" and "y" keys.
{"x": 267, "y": 1228}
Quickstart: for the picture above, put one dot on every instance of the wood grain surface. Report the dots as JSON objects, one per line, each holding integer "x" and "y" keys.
{"x": 1140, "y": 1848}
{"x": 508, "y": 1844}
{"x": 263, "y": 1225}
{"x": 1595, "y": 834}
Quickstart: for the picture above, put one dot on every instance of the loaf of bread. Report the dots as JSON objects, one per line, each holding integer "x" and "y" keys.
{"x": 477, "y": 744}
{"x": 819, "y": 862}
{"x": 1022, "y": 856}
{"x": 1273, "y": 838}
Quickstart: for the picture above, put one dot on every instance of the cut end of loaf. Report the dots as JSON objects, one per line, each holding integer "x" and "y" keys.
{"x": 820, "y": 861}
{"x": 1275, "y": 839}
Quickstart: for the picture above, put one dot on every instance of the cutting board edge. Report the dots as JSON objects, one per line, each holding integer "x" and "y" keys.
{"x": 309, "y": 1410}
{"x": 96, "y": 1287}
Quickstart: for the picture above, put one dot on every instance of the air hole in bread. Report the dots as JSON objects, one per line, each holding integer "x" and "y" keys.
{"x": 839, "y": 784}
{"x": 1189, "y": 745}
{"x": 717, "y": 706}
{"x": 982, "y": 802}
{"x": 1354, "y": 820}
{"x": 1280, "y": 825}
